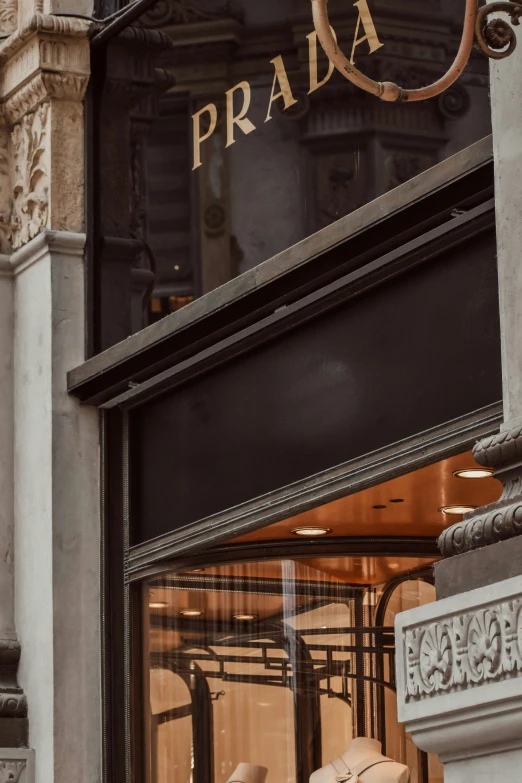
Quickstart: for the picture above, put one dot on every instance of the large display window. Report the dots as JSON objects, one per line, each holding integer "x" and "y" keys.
{"x": 223, "y": 136}
{"x": 277, "y": 664}
{"x": 337, "y": 396}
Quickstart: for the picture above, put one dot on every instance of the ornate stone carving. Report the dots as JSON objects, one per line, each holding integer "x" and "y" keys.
{"x": 464, "y": 650}
{"x": 401, "y": 166}
{"x": 8, "y": 15}
{"x": 5, "y": 191}
{"x": 11, "y": 771}
{"x": 497, "y": 521}
{"x": 455, "y": 102}
{"x": 185, "y": 12}
{"x": 31, "y": 177}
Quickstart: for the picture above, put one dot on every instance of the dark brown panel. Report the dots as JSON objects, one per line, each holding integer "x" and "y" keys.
{"x": 403, "y": 357}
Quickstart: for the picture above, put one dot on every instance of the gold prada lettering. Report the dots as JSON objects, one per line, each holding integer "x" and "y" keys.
{"x": 280, "y": 86}
{"x": 314, "y": 71}
{"x": 242, "y": 122}
{"x": 196, "y": 130}
{"x": 281, "y": 79}
{"x": 370, "y": 33}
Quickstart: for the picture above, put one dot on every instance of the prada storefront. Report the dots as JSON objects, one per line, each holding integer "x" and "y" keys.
{"x": 286, "y": 277}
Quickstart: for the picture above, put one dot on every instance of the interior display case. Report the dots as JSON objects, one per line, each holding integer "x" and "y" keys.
{"x": 276, "y": 663}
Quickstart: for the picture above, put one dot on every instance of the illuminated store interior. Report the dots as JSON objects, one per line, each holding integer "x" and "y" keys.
{"x": 277, "y": 650}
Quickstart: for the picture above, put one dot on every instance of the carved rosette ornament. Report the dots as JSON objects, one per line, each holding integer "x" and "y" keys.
{"x": 464, "y": 650}
{"x": 497, "y": 521}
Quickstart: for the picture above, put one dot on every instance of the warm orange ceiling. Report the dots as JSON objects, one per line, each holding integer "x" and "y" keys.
{"x": 423, "y": 492}
{"x": 270, "y": 590}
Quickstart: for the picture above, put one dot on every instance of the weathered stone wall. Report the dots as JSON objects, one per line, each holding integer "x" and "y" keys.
{"x": 49, "y": 462}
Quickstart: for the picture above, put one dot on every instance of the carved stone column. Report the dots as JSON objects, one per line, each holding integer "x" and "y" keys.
{"x": 45, "y": 69}
{"x": 459, "y": 660}
{"x": 503, "y": 519}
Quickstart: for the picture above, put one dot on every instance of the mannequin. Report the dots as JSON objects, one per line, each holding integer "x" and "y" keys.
{"x": 360, "y": 762}
{"x": 248, "y": 773}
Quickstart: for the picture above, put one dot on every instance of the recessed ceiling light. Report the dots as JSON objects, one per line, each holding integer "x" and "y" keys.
{"x": 191, "y": 613}
{"x": 457, "y": 510}
{"x": 474, "y": 473}
{"x": 158, "y": 605}
{"x": 245, "y": 616}
{"x": 311, "y": 532}
{"x": 394, "y": 566}
{"x": 196, "y": 570}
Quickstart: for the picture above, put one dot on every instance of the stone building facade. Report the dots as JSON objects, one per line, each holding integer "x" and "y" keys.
{"x": 459, "y": 659}
{"x": 47, "y": 539}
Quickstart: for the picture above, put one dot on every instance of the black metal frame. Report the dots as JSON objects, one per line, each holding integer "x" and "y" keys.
{"x": 372, "y": 644}
{"x": 123, "y": 667}
{"x": 440, "y": 215}
{"x": 125, "y": 567}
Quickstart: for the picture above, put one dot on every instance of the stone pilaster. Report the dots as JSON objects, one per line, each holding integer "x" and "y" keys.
{"x": 459, "y": 660}
{"x": 503, "y": 520}
{"x": 45, "y": 68}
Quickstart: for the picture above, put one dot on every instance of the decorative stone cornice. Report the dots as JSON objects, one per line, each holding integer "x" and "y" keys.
{"x": 44, "y": 68}
{"x": 496, "y": 521}
{"x": 46, "y": 59}
{"x": 40, "y": 23}
{"x": 459, "y": 671}
{"x": 464, "y": 650}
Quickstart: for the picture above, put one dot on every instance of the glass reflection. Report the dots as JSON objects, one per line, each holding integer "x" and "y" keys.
{"x": 231, "y": 138}
{"x": 286, "y": 688}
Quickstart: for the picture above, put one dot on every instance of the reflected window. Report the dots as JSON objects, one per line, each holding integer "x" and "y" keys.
{"x": 279, "y": 666}
{"x": 224, "y": 137}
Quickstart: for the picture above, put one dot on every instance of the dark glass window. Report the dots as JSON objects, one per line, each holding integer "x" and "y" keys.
{"x": 269, "y": 670}
{"x": 223, "y": 137}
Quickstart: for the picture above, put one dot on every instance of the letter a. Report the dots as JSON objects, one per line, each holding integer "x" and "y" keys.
{"x": 240, "y": 120}
{"x": 370, "y": 33}
{"x": 312, "y": 54}
{"x": 285, "y": 92}
{"x": 196, "y": 130}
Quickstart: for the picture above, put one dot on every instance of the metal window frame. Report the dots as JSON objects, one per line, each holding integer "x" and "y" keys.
{"x": 148, "y": 359}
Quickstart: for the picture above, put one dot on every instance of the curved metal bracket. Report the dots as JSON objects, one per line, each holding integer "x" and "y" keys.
{"x": 496, "y": 39}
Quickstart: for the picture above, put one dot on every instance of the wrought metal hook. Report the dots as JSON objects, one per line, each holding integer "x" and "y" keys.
{"x": 496, "y": 39}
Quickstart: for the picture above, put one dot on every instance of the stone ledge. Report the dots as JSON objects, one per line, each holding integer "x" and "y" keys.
{"x": 478, "y": 568}
{"x": 55, "y": 242}
{"x": 459, "y": 671}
